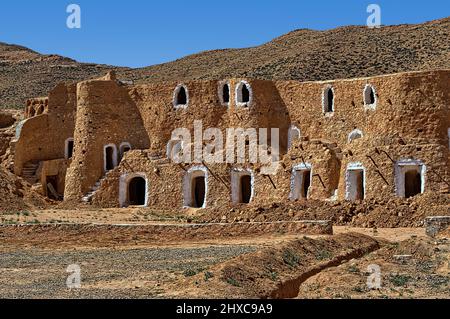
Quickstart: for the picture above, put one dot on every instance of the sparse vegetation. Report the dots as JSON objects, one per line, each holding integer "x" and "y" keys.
{"x": 208, "y": 275}
{"x": 189, "y": 272}
{"x": 290, "y": 258}
{"x": 323, "y": 255}
{"x": 233, "y": 282}
{"x": 399, "y": 280}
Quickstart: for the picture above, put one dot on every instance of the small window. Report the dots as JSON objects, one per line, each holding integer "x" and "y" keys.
{"x": 328, "y": 100}
{"x": 293, "y": 135}
{"x": 354, "y": 135}
{"x": 110, "y": 157}
{"x": 224, "y": 93}
{"x": 69, "y": 148}
{"x": 124, "y": 148}
{"x": 181, "y": 97}
{"x": 243, "y": 94}
{"x": 370, "y": 98}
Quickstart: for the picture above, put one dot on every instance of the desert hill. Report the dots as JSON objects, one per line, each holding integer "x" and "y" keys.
{"x": 345, "y": 52}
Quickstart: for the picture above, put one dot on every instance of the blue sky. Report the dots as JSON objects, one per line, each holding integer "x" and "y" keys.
{"x": 144, "y": 32}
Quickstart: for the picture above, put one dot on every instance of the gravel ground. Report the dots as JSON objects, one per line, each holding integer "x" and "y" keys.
{"x": 105, "y": 273}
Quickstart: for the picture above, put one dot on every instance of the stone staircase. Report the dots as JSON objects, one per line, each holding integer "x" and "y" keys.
{"x": 88, "y": 197}
{"x": 29, "y": 172}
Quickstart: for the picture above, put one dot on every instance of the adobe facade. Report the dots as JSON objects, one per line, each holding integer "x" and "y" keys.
{"x": 108, "y": 144}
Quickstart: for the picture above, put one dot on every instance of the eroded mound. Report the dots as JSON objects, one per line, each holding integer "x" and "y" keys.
{"x": 389, "y": 213}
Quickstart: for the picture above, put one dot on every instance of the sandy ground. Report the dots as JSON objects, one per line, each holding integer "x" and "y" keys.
{"x": 152, "y": 271}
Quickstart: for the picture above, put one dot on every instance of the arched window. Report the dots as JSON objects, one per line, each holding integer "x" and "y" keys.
{"x": 370, "y": 97}
{"x": 110, "y": 157}
{"x": 195, "y": 187}
{"x": 224, "y": 93}
{"x": 69, "y": 148}
{"x": 181, "y": 97}
{"x": 328, "y": 100}
{"x": 293, "y": 134}
{"x": 124, "y": 147}
{"x": 243, "y": 94}
{"x": 354, "y": 135}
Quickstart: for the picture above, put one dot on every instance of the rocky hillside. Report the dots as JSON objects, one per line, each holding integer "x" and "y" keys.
{"x": 346, "y": 52}
{"x": 25, "y": 73}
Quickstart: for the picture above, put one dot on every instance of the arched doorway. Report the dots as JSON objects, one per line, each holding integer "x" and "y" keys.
{"x": 137, "y": 191}
{"x": 242, "y": 186}
{"x": 195, "y": 188}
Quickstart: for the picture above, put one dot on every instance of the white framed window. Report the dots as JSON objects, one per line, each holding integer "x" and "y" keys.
{"x": 110, "y": 159}
{"x": 354, "y": 135}
{"x": 244, "y": 94}
{"x": 328, "y": 97}
{"x": 181, "y": 97}
{"x": 224, "y": 92}
{"x": 293, "y": 134}
{"x": 370, "y": 97}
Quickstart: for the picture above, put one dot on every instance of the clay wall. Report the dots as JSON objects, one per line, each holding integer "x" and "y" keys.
{"x": 43, "y": 137}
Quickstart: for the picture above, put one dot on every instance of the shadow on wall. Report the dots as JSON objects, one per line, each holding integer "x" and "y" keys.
{"x": 277, "y": 115}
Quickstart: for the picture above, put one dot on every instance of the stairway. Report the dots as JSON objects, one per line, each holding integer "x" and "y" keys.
{"x": 88, "y": 197}
{"x": 29, "y": 172}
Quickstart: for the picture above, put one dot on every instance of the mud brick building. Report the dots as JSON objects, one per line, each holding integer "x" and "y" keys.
{"x": 107, "y": 143}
